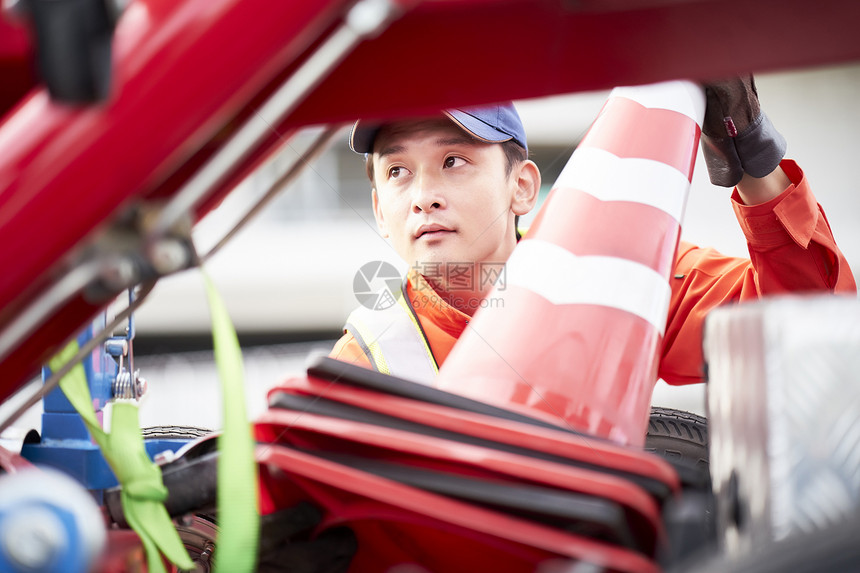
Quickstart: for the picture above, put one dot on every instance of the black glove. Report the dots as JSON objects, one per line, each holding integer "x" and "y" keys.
{"x": 737, "y": 137}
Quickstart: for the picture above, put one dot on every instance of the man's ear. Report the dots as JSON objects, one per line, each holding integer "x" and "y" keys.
{"x": 527, "y": 176}
{"x": 377, "y": 213}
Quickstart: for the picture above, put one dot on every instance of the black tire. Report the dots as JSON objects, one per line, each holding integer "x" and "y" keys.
{"x": 681, "y": 438}
{"x": 173, "y": 432}
{"x": 200, "y": 487}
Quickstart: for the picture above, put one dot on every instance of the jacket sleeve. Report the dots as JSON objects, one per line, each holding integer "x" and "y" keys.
{"x": 791, "y": 249}
{"x": 347, "y": 349}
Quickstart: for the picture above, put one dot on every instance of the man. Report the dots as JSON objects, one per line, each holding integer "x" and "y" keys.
{"x": 448, "y": 190}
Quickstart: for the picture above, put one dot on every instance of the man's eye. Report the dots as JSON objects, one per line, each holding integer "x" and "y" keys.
{"x": 396, "y": 172}
{"x": 453, "y": 162}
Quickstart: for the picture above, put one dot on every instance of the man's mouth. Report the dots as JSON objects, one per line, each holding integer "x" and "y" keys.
{"x": 431, "y": 231}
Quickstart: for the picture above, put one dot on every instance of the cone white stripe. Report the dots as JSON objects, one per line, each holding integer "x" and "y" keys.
{"x": 682, "y": 96}
{"x": 611, "y": 178}
{"x": 562, "y": 278}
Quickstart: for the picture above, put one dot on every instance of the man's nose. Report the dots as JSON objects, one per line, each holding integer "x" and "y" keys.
{"x": 427, "y": 194}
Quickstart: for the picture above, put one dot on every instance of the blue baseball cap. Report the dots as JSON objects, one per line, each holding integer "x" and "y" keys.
{"x": 488, "y": 123}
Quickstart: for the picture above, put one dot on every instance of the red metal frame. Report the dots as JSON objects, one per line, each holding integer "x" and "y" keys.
{"x": 595, "y": 451}
{"x": 182, "y": 73}
{"x": 473, "y": 538}
{"x": 373, "y": 442}
{"x": 449, "y": 53}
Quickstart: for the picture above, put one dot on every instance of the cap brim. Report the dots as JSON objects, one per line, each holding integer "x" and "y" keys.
{"x": 362, "y": 135}
{"x": 477, "y": 128}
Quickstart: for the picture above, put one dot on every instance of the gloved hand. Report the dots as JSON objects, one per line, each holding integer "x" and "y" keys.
{"x": 737, "y": 137}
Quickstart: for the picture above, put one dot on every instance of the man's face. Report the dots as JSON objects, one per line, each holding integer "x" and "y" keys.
{"x": 442, "y": 196}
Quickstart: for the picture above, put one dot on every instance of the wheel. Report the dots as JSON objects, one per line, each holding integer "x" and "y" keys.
{"x": 198, "y": 534}
{"x": 681, "y": 438}
{"x": 173, "y": 432}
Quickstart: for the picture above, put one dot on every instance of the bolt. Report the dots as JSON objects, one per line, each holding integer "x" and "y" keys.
{"x": 118, "y": 273}
{"x": 168, "y": 256}
{"x": 140, "y": 384}
{"x": 203, "y": 561}
{"x": 206, "y": 554}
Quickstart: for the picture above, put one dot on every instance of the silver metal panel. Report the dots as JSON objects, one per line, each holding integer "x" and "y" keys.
{"x": 784, "y": 415}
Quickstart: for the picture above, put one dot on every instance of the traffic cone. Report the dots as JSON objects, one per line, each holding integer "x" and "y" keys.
{"x": 572, "y": 330}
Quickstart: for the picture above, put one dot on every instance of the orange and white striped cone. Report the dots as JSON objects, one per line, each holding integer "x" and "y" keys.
{"x": 576, "y": 323}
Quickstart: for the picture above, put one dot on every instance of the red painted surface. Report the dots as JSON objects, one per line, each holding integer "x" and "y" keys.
{"x": 397, "y": 524}
{"x": 449, "y": 53}
{"x": 181, "y": 72}
{"x": 586, "y": 449}
{"x": 310, "y": 431}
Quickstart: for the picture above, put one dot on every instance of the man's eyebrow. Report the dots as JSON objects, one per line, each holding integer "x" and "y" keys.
{"x": 457, "y": 140}
{"x": 441, "y": 142}
{"x": 391, "y": 150}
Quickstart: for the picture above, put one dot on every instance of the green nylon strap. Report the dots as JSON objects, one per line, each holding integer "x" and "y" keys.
{"x": 238, "y": 496}
{"x": 143, "y": 492}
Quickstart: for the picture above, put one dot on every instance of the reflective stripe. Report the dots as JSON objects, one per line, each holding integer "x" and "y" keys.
{"x": 561, "y": 277}
{"x": 410, "y": 312}
{"x": 393, "y": 341}
{"x": 610, "y": 178}
{"x": 682, "y": 96}
{"x": 368, "y": 342}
